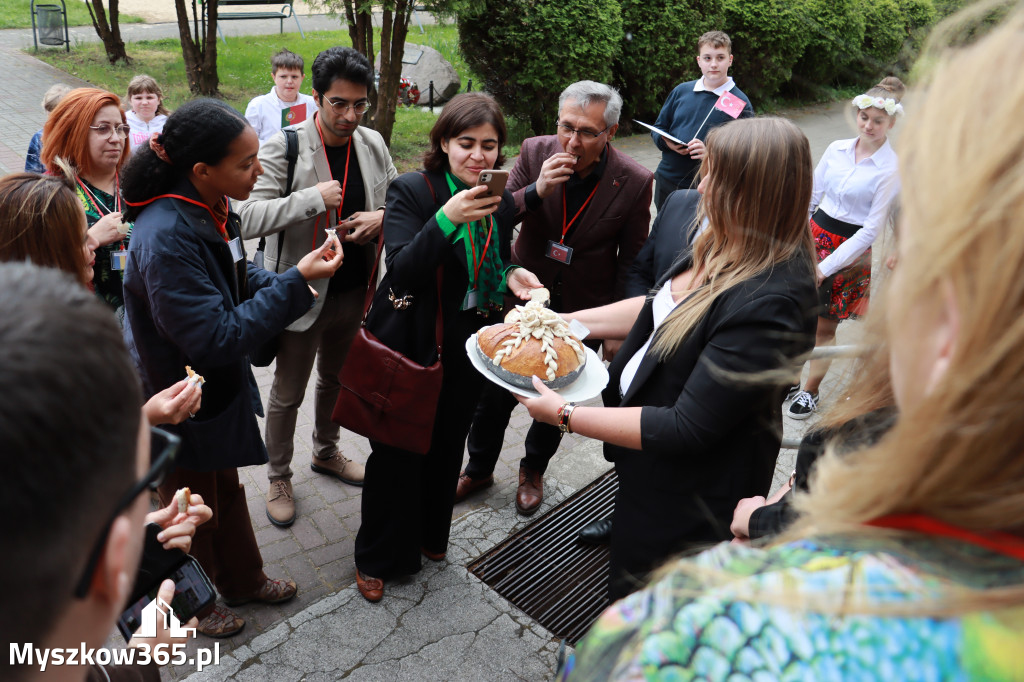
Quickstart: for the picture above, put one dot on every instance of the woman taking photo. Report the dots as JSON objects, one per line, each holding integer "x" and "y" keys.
{"x": 854, "y": 184}
{"x": 693, "y": 428}
{"x": 908, "y": 561}
{"x": 192, "y": 299}
{"x": 87, "y": 130}
{"x": 437, "y": 221}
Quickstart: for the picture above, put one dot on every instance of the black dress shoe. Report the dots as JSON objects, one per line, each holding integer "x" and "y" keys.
{"x": 597, "y": 532}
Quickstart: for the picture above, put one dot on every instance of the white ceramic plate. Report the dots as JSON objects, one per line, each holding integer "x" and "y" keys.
{"x": 591, "y": 382}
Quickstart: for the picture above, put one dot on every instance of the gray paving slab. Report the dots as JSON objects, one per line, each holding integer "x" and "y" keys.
{"x": 441, "y": 624}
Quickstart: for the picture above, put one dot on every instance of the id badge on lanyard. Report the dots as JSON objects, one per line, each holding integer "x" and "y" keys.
{"x": 235, "y": 246}
{"x": 118, "y": 259}
{"x": 559, "y": 252}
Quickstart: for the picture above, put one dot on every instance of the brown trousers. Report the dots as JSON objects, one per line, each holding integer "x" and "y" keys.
{"x": 225, "y": 546}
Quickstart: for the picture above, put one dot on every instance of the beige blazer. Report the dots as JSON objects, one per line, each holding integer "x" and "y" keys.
{"x": 267, "y": 211}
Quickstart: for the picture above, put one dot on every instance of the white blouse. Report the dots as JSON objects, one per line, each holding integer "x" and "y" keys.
{"x": 662, "y": 305}
{"x": 857, "y": 193}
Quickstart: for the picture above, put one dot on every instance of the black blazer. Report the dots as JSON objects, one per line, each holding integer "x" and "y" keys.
{"x": 414, "y": 247}
{"x": 669, "y": 240}
{"x": 710, "y": 435}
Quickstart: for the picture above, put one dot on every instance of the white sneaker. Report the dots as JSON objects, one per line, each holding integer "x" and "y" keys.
{"x": 804, "y": 405}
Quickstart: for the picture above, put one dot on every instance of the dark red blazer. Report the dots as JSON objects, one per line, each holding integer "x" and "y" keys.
{"x": 605, "y": 241}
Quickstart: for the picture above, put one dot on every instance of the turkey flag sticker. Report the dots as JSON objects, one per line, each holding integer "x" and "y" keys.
{"x": 730, "y": 104}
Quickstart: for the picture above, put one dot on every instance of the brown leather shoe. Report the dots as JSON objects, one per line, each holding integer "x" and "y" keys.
{"x": 433, "y": 556}
{"x": 467, "y": 486}
{"x": 341, "y": 467}
{"x": 372, "y": 589}
{"x": 281, "y": 503}
{"x": 531, "y": 490}
{"x": 271, "y": 592}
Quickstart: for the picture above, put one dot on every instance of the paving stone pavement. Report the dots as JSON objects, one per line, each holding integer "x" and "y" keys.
{"x": 440, "y": 624}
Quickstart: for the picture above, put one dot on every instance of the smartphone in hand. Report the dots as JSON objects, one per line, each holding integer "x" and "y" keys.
{"x": 495, "y": 180}
{"x": 193, "y": 591}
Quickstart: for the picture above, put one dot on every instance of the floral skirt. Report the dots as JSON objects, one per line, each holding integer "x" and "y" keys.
{"x": 845, "y": 294}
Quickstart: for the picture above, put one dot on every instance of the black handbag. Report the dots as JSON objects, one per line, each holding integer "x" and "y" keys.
{"x": 266, "y": 352}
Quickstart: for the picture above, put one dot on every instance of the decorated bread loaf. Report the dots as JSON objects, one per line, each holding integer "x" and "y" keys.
{"x": 533, "y": 340}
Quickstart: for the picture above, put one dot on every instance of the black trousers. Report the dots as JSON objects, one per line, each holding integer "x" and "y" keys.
{"x": 488, "y": 434}
{"x": 407, "y": 498}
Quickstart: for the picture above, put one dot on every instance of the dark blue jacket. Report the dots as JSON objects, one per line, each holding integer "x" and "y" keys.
{"x": 681, "y": 117}
{"x": 188, "y": 303}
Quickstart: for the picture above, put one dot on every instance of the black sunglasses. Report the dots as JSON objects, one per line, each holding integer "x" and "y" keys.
{"x": 163, "y": 448}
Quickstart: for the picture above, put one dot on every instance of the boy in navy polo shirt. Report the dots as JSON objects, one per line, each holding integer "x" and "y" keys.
{"x": 687, "y": 106}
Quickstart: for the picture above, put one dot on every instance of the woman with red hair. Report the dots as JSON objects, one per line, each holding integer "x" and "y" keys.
{"x": 88, "y": 131}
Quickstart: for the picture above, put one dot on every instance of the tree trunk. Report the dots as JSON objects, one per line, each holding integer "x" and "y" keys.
{"x": 392, "y": 46}
{"x": 109, "y": 33}
{"x": 198, "y": 50}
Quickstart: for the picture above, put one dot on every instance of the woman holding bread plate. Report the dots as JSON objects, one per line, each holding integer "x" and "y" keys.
{"x": 694, "y": 422}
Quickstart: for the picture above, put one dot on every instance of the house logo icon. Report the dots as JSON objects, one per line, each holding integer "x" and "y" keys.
{"x": 151, "y": 615}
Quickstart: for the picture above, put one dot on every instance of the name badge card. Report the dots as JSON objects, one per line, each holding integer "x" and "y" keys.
{"x": 235, "y": 246}
{"x": 559, "y": 252}
{"x": 118, "y": 259}
{"x": 469, "y": 303}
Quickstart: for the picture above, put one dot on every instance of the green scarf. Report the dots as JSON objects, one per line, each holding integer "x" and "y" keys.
{"x": 489, "y": 285}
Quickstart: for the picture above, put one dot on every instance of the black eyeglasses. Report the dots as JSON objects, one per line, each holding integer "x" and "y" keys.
{"x": 568, "y": 131}
{"x": 341, "y": 106}
{"x": 104, "y": 130}
{"x": 163, "y": 448}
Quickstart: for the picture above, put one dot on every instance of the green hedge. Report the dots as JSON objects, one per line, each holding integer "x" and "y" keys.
{"x": 659, "y": 50}
{"x": 767, "y": 40}
{"x": 526, "y": 53}
{"x": 885, "y": 30}
{"x": 835, "y": 34}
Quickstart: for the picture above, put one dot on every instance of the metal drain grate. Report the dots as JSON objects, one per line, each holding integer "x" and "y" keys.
{"x": 547, "y": 572}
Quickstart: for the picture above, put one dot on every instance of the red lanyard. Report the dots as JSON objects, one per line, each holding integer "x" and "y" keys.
{"x": 472, "y": 246}
{"x": 344, "y": 180}
{"x": 222, "y": 227}
{"x": 565, "y": 227}
{"x": 995, "y": 541}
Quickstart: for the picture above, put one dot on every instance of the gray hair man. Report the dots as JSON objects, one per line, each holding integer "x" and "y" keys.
{"x": 585, "y": 212}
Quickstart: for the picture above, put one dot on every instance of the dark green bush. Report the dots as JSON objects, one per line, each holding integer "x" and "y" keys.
{"x": 920, "y": 16}
{"x": 885, "y": 30}
{"x": 767, "y": 40}
{"x": 526, "y": 53}
{"x": 659, "y": 50}
{"x": 835, "y": 32}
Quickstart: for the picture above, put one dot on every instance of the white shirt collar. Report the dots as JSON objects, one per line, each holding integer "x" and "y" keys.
{"x": 883, "y": 156}
{"x": 728, "y": 85}
{"x": 281, "y": 103}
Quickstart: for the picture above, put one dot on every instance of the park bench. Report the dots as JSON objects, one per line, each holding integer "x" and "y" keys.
{"x": 286, "y": 11}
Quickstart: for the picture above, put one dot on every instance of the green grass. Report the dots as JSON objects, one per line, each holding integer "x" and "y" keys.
{"x": 18, "y": 13}
{"x": 244, "y": 69}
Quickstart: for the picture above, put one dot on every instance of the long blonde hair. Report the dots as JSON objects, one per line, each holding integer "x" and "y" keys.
{"x": 756, "y": 201}
{"x": 957, "y": 455}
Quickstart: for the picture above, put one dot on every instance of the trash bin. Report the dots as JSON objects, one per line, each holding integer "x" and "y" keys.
{"x": 50, "y": 24}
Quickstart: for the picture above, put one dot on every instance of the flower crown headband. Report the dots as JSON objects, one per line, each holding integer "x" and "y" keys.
{"x": 891, "y": 106}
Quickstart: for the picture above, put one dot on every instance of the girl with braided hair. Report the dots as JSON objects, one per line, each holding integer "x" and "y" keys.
{"x": 192, "y": 299}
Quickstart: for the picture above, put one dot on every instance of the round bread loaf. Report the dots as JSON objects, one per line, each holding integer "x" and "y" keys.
{"x": 532, "y": 341}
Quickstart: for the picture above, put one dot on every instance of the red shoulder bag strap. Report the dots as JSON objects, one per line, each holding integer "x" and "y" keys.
{"x": 372, "y": 288}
